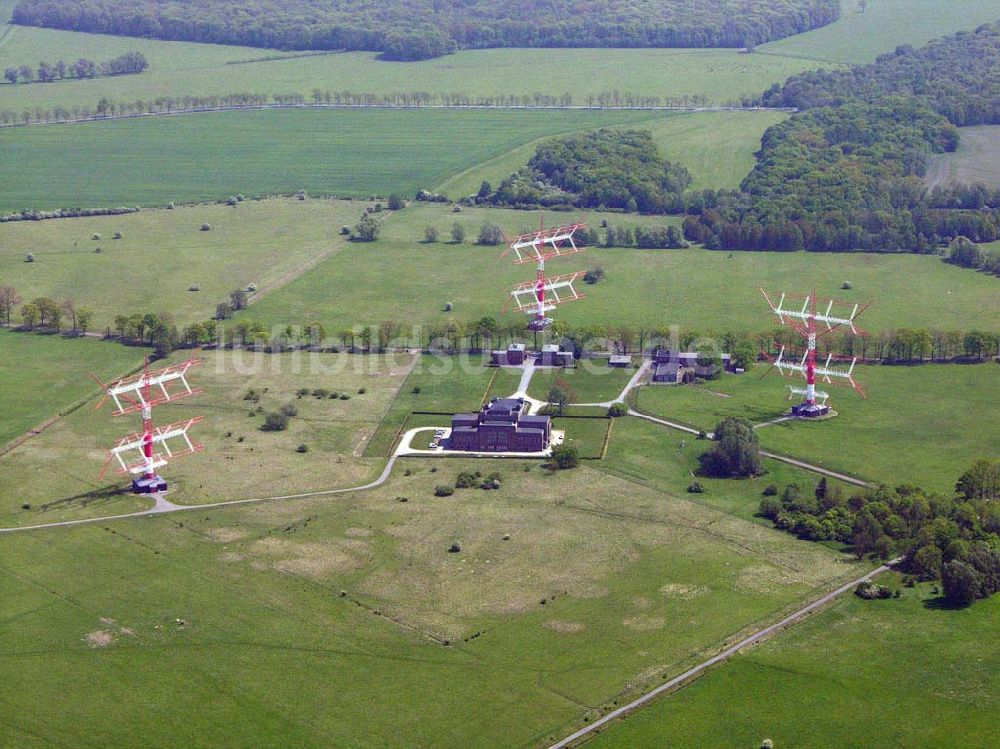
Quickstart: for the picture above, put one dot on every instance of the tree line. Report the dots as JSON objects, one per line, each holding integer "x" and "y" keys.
{"x": 952, "y": 538}
{"x": 846, "y": 173}
{"x": 423, "y": 29}
{"x": 126, "y": 64}
{"x": 106, "y": 107}
{"x": 45, "y": 312}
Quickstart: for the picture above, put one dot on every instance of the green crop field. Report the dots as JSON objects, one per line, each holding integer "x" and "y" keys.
{"x": 858, "y": 38}
{"x": 921, "y": 425}
{"x": 899, "y": 673}
{"x": 42, "y": 376}
{"x": 212, "y": 155}
{"x": 603, "y": 586}
{"x": 163, "y": 254}
{"x": 977, "y": 160}
{"x": 412, "y": 281}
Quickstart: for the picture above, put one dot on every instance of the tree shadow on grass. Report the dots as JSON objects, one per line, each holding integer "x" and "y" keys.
{"x": 940, "y": 603}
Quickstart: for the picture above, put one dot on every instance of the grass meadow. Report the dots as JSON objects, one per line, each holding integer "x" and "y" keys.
{"x": 694, "y": 288}
{"x": 209, "y": 156}
{"x": 920, "y": 425}
{"x": 858, "y": 38}
{"x": 840, "y": 678}
{"x": 292, "y": 619}
{"x": 45, "y": 375}
{"x": 977, "y": 159}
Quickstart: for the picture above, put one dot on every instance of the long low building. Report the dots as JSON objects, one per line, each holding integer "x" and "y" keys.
{"x": 500, "y": 426}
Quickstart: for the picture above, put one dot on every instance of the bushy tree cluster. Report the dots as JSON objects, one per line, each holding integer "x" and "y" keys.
{"x": 422, "y": 29}
{"x": 735, "y": 451}
{"x": 616, "y": 169}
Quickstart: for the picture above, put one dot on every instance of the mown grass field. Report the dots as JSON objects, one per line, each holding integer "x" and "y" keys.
{"x": 42, "y": 376}
{"x": 211, "y": 155}
{"x": 293, "y": 619}
{"x": 163, "y": 253}
{"x": 57, "y": 472}
{"x": 977, "y": 160}
{"x": 841, "y": 678}
{"x": 402, "y": 278}
{"x": 858, "y": 38}
{"x": 921, "y": 425}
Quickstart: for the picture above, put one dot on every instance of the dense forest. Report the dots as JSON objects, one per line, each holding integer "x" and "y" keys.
{"x": 608, "y": 168}
{"x": 428, "y": 28}
{"x": 846, "y": 173}
{"x": 957, "y": 77}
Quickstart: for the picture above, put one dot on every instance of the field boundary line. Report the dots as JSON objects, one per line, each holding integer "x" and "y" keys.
{"x": 683, "y": 679}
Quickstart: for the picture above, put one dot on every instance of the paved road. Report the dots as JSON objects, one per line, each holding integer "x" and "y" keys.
{"x": 691, "y": 673}
{"x": 163, "y": 506}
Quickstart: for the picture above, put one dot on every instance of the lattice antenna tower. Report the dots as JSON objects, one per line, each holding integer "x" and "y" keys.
{"x": 814, "y": 319}
{"x": 537, "y": 298}
{"x": 140, "y": 454}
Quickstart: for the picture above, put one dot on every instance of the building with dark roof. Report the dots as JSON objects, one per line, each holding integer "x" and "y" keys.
{"x": 500, "y": 426}
{"x": 669, "y": 366}
{"x": 552, "y": 356}
{"x": 514, "y": 356}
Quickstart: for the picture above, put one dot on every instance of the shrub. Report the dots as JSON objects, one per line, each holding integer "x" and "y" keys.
{"x": 456, "y": 209}
{"x": 302, "y": 449}
{"x": 870, "y": 591}
{"x": 118, "y": 235}
{"x": 617, "y": 409}
{"x": 454, "y": 548}
{"x": 594, "y": 275}
{"x": 448, "y": 306}
{"x": 96, "y": 237}
{"x": 367, "y": 229}
{"x": 194, "y": 287}
{"x": 847, "y": 285}
{"x": 490, "y": 234}
{"x": 289, "y": 409}
{"x": 231, "y": 200}
{"x": 97, "y": 250}
{"x": 170, "y": 206}
{"x": 416, "y": 390}
{"x": 302, "y": 392}
{"x": 275, "y": 421}
{"x": 770, "y": 490}
{"x": 430, "y": 234}
{"x": 696, "y": 488}
{"x": 735, "y": 452}
{"x": 396, "y": 202}
{"x": 345, "y": 230}
{"x": 206, "y": 227}
{"x": 466, "y": 480}
{"x": 443, "y": 490}
{"x": 491, "y": 482}
{"x": 362, "y": 391}
{"x": 565, "y": 456}
{"x": 345, "y": 397}
{"x": 770, "y": 507}
{"x": 457, "y": 232}
{"x": 320, "y": 392}
{"x": 26, "y": 506}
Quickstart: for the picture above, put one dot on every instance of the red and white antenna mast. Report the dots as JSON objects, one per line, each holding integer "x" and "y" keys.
{"x": 813, "y": 320}
{"x": 542, "y": 295}
{"x": 137, "y": 454}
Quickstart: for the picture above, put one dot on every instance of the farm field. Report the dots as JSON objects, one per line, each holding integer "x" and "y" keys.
{"x": 844, "y": 669}
{"x": 209, "y": 156}
{"x": 977, "y": 159}
{"x": 716, "y": 147}
{"x": 366, "y": 283}
{"x": 180, "y": 69}
{"x": 57, "y": 471}
{"x": 858, "y": 38}
{"x": 163, "y": 253}
{"x": 635, "y": 584}
{"x": 43, "y": 376}
{"x": 921, "y": 425}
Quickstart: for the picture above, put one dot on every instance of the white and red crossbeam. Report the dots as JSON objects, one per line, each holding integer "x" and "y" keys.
{"x": 144, "y": 452}
{"x": 544, "y": 294}
{"x": 826, "y": 371}
{"x": 151, "y": 388}
{"x": 539, "y": 246}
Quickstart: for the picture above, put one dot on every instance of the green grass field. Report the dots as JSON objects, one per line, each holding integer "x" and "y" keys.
{"x": 840, "y": 679}
{"x": 42, "y": 376}
{"x": 716, "y": 147}
{"x": 602, "y": 587}
{"x": 858, "y": 38}
{"x": 664, "y": 287}
{"x": 212, "y": 155}
{"x": 921, "y": 425}
{"x": 163, "y": 253}
{"x": 977, "y": 160}
{"x": 589, "y": 382}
